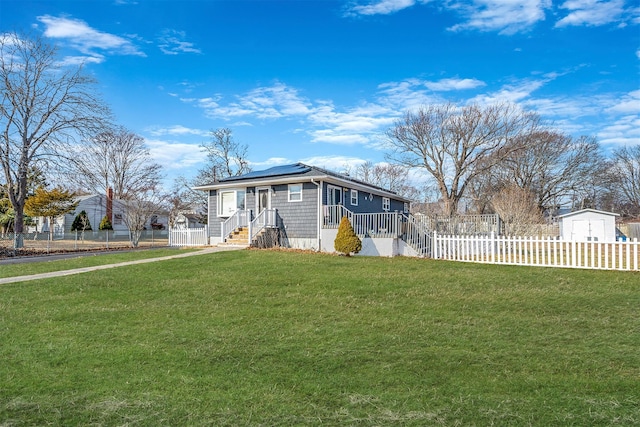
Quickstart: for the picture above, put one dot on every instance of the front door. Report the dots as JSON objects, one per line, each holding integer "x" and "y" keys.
{"x": 334, "y": 196}
{"x": 264, "y": 199}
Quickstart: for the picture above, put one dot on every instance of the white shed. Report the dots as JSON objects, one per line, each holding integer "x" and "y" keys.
{"x": 588, "y": 225}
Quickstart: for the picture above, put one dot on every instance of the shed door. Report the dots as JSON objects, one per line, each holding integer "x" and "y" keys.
{"x": 587, "y": 230}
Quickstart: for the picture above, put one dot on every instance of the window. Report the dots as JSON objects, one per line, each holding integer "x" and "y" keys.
{"x": 354, "y": 197}
{"x": 295, "y": 192}
{"x": 386, "y": 204}
{"x": 117, "y": 219}
{"x": 406, "y": 207}
{"x": 230, "y": 201}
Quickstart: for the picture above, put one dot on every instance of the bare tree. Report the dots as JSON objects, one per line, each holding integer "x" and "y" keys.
{"x": 391, "y": 177}
{"x": 138, "y": 209}
{"x": 225, "y": 157}
{"x": 43, "y": 104}
{"x": 455, "y": 144}
{"x": 624, "y": 179}
{"x": 116, "y": 158}
{"x": 553, "y": 166}
{"x": 518, "y": 210}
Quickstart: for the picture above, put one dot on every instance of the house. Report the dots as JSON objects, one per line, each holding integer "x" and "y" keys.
{"x": 588, "y": 225}
{"x": 304, "y": 205}
{"x": 188, "y": 220}
{"x": 97, "y": 206}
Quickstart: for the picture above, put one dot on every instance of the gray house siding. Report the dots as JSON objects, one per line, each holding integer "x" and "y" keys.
{"x": 213, "y": 219}
{"x": 297, "y": 219}
{"x": 367, "y": 202}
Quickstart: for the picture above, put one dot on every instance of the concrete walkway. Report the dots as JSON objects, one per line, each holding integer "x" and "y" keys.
{"x": 106, "y": 266}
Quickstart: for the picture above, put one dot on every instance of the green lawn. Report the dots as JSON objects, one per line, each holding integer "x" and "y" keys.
{"x": 284, "y": 338}
{"x": 86, "y": 260}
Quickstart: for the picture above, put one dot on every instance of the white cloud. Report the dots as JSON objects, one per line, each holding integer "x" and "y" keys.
{"x": 171, "y": 42}
{"x": 381, "y": 7}
{"x": 591, "y": 12}
{"x": 506, "y": 17}
{"x": 514, "y": 92}
{"x": 273, "y": 102}
{"x": 177, "y": 130}
{"x": 175, "y": 155}
{"x": 454, "y": 84}
{"x": 629, "y": 103}
{"x": 87, "y": 40}
{"x": 334, "y": 163}
{"x": 624, "y": 131}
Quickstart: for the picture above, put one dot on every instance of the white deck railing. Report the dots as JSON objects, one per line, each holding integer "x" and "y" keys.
{"x": 189, "y": 236}
{"x": 265, "y": 219}
{"x": 381, "y": 224}
{"x": 543, "y": 252}
{"x": 240, "y": 218}
{"x": 416, "y": 235}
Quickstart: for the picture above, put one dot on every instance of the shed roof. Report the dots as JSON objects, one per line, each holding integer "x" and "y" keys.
{"x": 582, "y": 211}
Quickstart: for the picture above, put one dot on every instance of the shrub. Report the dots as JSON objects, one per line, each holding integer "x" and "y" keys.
{"x": 105, "y": 224}
{"x": 81, "y": 222}
{"x": 347, "y": 242}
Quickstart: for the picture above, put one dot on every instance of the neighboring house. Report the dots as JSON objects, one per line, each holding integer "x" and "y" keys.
{"x": 588, "y": 225}
{"x": 188, "y": 220}
{"x": 304, "y": 204}
{"x": 96, "y": 208}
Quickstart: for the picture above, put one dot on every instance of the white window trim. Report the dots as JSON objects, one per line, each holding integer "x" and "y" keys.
{"x": 289, "y": 193}
{"x": 386, "y": 204}
{"x": 235, "y": 201}
{"x": 354, "y": 197}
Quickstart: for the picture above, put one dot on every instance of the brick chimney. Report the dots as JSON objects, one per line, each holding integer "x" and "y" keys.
{"x": 110, "y": 204}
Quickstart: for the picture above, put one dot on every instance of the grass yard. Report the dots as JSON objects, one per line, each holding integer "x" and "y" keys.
{"x": 87, "y": 259}
{"x": 284, "y": 338}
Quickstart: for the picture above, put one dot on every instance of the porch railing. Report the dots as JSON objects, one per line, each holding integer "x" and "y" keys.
{"x": 240, "y": 218}
{"x": 415, "y": 234}
{"x": 381, "y": 224}
{"x": 265, "y": 219}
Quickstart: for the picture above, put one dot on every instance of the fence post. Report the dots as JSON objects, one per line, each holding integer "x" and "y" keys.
{"x": 434, "y": 245}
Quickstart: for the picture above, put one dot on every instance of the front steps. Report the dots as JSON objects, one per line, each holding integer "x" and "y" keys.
{"x": 239, "y": 238}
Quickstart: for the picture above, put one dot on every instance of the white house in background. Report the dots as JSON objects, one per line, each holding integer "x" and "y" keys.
{"x": 97, "y": 207}
{"x": 188, "y": 220}
{"x": 588, "y": 225}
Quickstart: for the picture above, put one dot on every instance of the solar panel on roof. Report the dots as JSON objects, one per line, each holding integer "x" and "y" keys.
{"x": 274, "y": 171}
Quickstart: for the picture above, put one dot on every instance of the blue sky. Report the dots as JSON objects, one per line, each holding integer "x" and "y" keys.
{"x": 320, "y": 81}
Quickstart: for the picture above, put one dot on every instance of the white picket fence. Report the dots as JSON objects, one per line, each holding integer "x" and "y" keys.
{"x": 543, "y": 252}
{"x": 189, "y": 236}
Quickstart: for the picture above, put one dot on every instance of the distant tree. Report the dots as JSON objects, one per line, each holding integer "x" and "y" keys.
{"x": 81, "y": 222}
{"x": 552, "y": 166}
{"x": 117, "y": 159}
{"x": 624, "y": 179}
{"x": 456, "y": 144}
{"x": 138, "y": 208}
{"x": 518, "y": 210}
{"x": 182, "y": 199}
{"x": 50, "y": 204}
{"x": 225, "y": 157}
{"x": 44, "y": 104}
{"x": 347, "y": 242}
{"x": 105, "y": 224}
{"x": 392, "y": 177}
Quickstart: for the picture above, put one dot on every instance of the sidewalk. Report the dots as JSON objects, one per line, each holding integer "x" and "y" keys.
{"x": 16, "y": 279}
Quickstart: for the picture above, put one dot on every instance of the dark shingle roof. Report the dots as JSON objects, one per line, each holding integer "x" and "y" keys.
{"x": 294, "y": 169}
